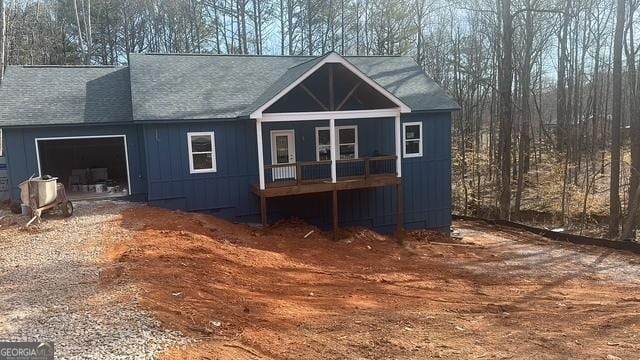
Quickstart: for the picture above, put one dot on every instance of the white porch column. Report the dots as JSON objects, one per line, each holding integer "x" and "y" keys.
{"x": 332, "y": 136}
{"x": 260, "y": 153}
{"x": 398, "y": 146}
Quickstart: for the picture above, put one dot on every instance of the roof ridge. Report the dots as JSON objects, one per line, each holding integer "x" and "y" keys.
{"x": 313, "y": 58}
{"x": 376, "y": 56}
{"x": 70, "y": 66}
{"x": 223, "y": 55}
{"x": 309, "y": 57}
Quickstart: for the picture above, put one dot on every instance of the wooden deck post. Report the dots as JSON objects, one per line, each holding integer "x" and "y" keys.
{"x": 298, "y": 173}
{"x": 335, "y": 215}
{"x": 367, "y": 168}
{"x": 400, "y": 210}
{"x": 263, "y": 211}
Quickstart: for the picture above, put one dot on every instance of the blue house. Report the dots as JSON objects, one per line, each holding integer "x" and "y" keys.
{"x": 330, "y": 139}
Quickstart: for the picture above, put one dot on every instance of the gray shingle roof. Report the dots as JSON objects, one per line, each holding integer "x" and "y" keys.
{"x": 64, "y": 95}
{"x": 401, "y": 76}
{"x": 182, "y": 87}
{"x": 171, "y": 87}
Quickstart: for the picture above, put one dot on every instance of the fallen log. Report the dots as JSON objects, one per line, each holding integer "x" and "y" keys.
{"x": 558, "y": 236}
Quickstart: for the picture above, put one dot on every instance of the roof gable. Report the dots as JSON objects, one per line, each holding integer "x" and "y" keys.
{"x": 296, "y": 75}
{"x": 332, "y": 87}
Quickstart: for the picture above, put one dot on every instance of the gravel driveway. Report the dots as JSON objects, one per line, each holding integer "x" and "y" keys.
{"x": 49, "y": 289}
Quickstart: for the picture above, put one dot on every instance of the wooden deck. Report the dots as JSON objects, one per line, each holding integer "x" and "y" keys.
{"x": 311, "y": 177}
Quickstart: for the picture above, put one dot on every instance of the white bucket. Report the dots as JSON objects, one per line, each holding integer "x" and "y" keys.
{"x": 26, "y": 210}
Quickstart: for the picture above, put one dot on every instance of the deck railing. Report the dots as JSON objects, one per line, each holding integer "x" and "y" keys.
{"x": 320, "y": 171}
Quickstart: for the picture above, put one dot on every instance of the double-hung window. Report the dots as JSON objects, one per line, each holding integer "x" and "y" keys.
{"x": 346, "y": 138}
{"x": 412, "y": 144}
{"x": 202, "y": 152}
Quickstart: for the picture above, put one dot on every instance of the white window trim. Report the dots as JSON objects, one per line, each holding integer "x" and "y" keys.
{"x": 214, "y": 158}
{"x": 404, "y": 140}
{"x": 338, "y": 128}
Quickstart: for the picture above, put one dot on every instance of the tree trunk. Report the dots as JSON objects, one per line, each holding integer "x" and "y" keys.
{"x": 614, "y": 191}
{"x": 523, "y": 149}
{"x": 75, "y": 4}
{"x": 631, "y": 222}
{"x": 282, "y": 26}
{"x": 561, "y": 104}
{"x": 89, "y": 33}
{"x": 310, "y": 27}
{"x": 3, "y": 37}
{"x": 628, "y": 228}
{"x": 506, "y": 121}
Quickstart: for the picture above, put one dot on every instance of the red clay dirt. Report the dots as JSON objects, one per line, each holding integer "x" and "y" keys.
{"x": 248, "y": 293}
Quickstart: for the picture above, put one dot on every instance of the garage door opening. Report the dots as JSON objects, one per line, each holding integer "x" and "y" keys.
{"x": 89, "y": 167}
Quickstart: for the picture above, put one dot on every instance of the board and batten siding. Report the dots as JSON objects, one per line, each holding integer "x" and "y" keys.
{"x": 226, "y": 191}
{"x": 4, "y": 179}
{"x": 426, "y": 179}
{"x": 159, "y": 167}
{"x": 23, "y": 162}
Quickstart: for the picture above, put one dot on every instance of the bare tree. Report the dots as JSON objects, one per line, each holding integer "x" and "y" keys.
{"x": 506, "y": 121}
{"x": 614, "y": 191}
{"x": 3, "y": 37}
{"x": 634, "y": 123}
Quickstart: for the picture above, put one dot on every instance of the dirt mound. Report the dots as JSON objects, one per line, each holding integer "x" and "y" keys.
{"x": 210, "y": 277}
{"x": 248, "y": 292}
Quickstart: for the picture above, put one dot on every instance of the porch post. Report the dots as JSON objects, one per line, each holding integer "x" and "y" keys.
{"x": 260, "y": 153}
{"x": 399, "y": 194}
{"x": 398, "y": 146}
{"x": 332, "y": 135}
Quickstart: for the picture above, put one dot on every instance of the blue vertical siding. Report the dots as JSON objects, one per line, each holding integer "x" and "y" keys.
{"x": 426, "y": 179}
{"x": 226, "y": 191}
{"x": 22, "y": 158}
{"x": 159, "y": 168}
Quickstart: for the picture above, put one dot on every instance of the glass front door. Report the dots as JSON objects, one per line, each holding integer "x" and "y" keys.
{"x": 283, "y": 151}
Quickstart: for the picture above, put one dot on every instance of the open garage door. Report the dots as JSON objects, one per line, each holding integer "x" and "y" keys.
{"x": 89, "y": 167}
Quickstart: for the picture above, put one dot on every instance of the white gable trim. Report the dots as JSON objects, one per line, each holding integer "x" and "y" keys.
{"x": 331, "y": 58}
{"x": 324, "y": 115}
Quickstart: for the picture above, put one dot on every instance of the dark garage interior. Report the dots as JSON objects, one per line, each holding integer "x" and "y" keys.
{"x": 88, "y": 167}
